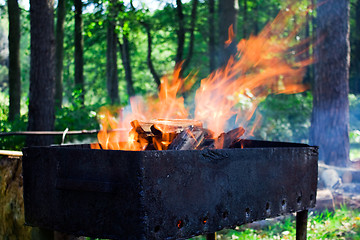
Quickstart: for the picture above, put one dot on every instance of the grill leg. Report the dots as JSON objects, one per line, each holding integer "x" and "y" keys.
{"x": 301, "y": 224}
{"x": 41, "y": 234}
{"x": 211, "y": 236}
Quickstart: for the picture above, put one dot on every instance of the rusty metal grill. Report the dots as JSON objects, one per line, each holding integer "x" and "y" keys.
{"x": 165, "y": 194}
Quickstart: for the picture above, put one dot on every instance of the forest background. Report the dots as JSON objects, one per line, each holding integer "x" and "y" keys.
{"x": 126, "y": 46}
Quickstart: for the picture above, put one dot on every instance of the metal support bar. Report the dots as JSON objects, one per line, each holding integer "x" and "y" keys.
{"x": 211, "y": 236}
{"x": 75, "y": 132}
{"x": 301, "y": 224}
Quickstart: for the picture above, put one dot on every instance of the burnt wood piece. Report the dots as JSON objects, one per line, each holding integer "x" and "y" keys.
{"x": 192, "y": 138}
{"x": 225, "y": 140}
{"x": 165, "y": 194}
{"x": 141, "y": 136}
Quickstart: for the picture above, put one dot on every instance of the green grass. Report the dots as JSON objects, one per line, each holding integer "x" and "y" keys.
{"x": 344, "y": 223}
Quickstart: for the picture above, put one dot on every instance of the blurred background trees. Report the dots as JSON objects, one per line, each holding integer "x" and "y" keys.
{"x": 107, "y": 51}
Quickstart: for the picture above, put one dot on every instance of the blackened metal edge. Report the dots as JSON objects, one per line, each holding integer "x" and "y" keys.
{"x": 151, "y": 182}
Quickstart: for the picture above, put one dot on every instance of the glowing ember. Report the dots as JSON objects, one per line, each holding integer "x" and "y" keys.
{"x": 263, "y": 65}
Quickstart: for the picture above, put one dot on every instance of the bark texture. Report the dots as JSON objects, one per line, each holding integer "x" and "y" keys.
{"x": 111, "y": 64}
{"x": 11, "y": 200}
{"x": 228, "y": 10}
{"x": 59, "y": 52}
{"x": 180, "y": 32}
{"x": 330, "y": 117}
{"x": 245, "y": 19}
{"x": 212, "y": 30}
{"x": 192, "y": 35}
{"x": 14, "y": 59}
{"x": 42, "y": 77}
{"x": 79, "y": 48}
{"x": 256, "y": 18}
{"x": 126, "y": 60}
{"x": 355, "y": 87}
{"x": 149, "y": 59}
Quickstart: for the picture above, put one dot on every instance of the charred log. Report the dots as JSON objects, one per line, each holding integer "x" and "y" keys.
{"x": 192, "y": 138}
{"x": 225, "y": 140}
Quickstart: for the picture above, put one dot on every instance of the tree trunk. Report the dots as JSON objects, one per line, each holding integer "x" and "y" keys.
{"x": 111, "y": 64}
{"x": 307, "y": 48}
{"x": 212, "y": 30}
{"x": 245, "y": 19}
{"x": 330, "y": 117}
{"x": 192, "y": 36}
{"x": 59, "y": 52}
{"x": 14, "y": 59}
{"x": 180, "y": 32}
{"x": 227, "y": 16}
{"x": 149, "y": 60}
{"x": 256, "y": 17}
{"x": 42, "y": 76}
{"x": 125, "y": 56}
{"x": 356, "y": 53}
{"x": 79, "y": 47}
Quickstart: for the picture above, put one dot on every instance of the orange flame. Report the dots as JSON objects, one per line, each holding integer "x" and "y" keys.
{"x": 264, "y": 64}
{"x": 231, "y": 35}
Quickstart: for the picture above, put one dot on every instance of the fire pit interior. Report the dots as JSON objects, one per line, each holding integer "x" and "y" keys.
{"x": 168, "y": 194}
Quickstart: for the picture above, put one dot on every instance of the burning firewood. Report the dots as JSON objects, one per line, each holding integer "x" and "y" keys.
{"x": 192, "y": 138}
{"x": 161, "y": 140}
{"x": 180, "y": 134}
{"x": 160, "y": 133}
{"x": 225, "y": 140}
{"x": 139, "y": 134}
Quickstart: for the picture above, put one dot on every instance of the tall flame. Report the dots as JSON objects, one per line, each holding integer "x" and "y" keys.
{"x": 264, "y": 64}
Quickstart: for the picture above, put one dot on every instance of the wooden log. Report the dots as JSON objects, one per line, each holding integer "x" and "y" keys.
{"x": 192, "y": 138}
{"x": 140, "y": 135}
{"x": 225, "y": 140}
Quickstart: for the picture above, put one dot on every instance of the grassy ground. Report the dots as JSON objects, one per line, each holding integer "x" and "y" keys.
{"x": 344, "y": 223}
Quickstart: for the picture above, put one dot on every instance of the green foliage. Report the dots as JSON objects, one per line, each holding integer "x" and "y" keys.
{"x": 77, "y": 117}
{"x": 20, "y": 124}
{"x": 73, "y": 116}
{"x": 285, "y": 118}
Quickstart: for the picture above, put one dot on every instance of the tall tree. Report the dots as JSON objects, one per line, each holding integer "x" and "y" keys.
{"x": 212, "y": 44}
{"x": 14, "y": 59}
{"x": 228, "y": 10}
{"x": 192, "y": 35}
{"x": 59, "y": 52}
{"x": 256, "y": 17}
{"x": 356, "y": 51}
{"x": 244, "y": 19}
{"x": 330, "y": 117}
{"x": 111, "y": 63}
{"x": 149, "y": 59}
{"x": 180, "y": 32}
{"x": 79, "y": 48}
{"x": 42, "y": 79}
{"x": 126, "y": 60}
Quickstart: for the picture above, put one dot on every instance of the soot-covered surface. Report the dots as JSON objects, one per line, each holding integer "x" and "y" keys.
{"x": 165, "y": 194}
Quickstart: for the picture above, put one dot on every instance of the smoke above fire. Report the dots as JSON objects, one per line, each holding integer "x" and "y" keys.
{"x": 272, "y": 62}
